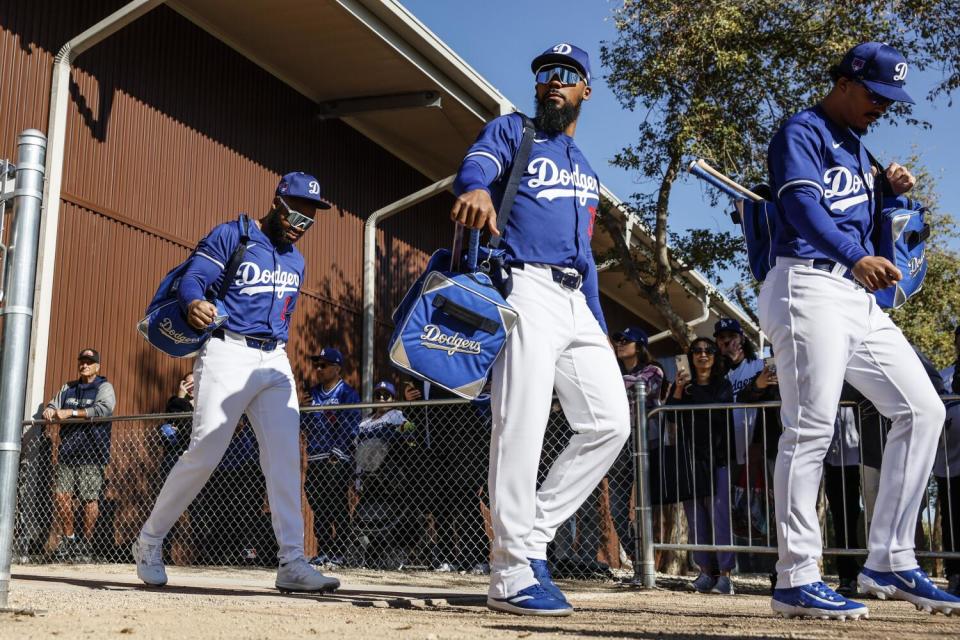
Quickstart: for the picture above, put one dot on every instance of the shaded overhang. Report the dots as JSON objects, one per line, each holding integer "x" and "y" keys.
{"x": 337, "y": 51}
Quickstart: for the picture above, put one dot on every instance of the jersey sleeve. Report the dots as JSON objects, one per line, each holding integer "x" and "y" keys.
{"x": 490, "y": 156}
{"x": 796, "y": 158}
{"x": 207, "y": 263}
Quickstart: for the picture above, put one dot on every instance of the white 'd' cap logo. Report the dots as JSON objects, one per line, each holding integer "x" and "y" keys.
{"x": 563, "y": 49}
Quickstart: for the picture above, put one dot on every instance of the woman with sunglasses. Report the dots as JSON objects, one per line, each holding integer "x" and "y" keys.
{"x": 704, "y": 437}
{"x": 636, "y": 365}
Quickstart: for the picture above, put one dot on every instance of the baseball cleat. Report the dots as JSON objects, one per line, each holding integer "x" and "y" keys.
{"x": 816, "y": 600}
{"x": 532, "y": 601}
{"x": 299, "y": 576}
{"x": 913, "y": 586}
{"x": 542, "y": 573}
{"x": 149, "y": 560}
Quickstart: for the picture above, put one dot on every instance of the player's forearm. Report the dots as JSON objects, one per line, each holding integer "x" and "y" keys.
{"x": 803, "y": 207}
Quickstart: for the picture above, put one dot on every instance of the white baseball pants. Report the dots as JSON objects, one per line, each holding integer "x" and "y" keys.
{"x": 557, "y": 344}
{"x": 824, "y": 329}
{"x": 230, "y": 378}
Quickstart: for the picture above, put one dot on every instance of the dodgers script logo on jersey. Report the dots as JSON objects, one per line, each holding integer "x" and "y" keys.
{"x": 554, "y": 182}
{"x": 252, "y": 280}
{"x": 844, "y": 188}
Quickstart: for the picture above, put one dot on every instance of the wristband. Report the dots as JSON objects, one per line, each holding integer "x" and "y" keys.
{"x": 73, "y": 413}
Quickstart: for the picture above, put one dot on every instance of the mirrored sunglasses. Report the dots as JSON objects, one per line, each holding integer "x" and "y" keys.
{"x": 568, "y": 76}
{"x": 382, "y": 396}
{"x": 296, "y": 219}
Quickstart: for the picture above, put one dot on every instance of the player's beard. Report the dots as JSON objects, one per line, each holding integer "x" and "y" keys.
{"x": 273, "y": 229}
{"x": 552, "y": 119}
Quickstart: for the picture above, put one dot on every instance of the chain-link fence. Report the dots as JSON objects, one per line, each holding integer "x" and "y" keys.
{"x": 409, "y": 492}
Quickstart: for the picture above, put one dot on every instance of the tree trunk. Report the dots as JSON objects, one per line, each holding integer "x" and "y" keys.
{"x": 655, "y": 292}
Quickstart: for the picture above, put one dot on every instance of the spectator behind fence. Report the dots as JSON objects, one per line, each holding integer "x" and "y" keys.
{"x": 841, "y": 483}
{"x": 82, "y": 454}
{"x": 389, "y": 457}
{"x": 705, "y": 434}
{"x": 743, "y": 367}
{"x": 753, "y": 507}
{"x": 457, "y": 437}
{"x": 175, "y": 434}
{"x": 331, "y": 441}
{"x": 637, "y": 365}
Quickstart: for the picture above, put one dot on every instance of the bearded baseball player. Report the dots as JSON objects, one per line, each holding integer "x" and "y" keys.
{"x": 826, "y": 327}
{"x": 244, "y": 368}
{"x": 560, "y": 340}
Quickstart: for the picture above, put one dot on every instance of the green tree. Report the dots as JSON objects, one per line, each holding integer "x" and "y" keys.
{"x": 715, "y": 78}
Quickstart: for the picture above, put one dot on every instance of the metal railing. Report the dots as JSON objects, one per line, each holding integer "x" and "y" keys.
{"x": 716, "y": 460}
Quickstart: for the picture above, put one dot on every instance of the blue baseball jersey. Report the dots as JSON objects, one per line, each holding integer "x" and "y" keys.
{"x": 823, "y": 186}
{"x": 332, "y": 432}
{"x": 556, "y": 202}
{"x": 264, "y": 293}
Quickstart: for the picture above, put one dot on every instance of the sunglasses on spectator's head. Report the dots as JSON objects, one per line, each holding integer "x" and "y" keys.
{"x": 296, "y": 219}
{"x": 707, "y": 350}
{"x": 568, "y": 76}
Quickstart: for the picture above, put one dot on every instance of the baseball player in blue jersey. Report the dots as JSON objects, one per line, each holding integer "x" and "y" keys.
{"x": 244, "y": 368}
{"x": 825, "y": 327}
{"x": 560, "y": 340}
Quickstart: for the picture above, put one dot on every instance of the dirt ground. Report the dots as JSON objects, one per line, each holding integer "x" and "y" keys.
{"x": 107, "y": 601}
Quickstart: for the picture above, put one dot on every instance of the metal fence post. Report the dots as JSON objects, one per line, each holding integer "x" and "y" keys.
{"x": 18, "y": 309}
{"x": 644, "y": 570}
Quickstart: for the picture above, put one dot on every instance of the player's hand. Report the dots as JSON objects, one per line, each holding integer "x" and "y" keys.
{"x": 49, "y": 413}
{"x": 201, "y": 313}
{"x": 766, "y": 378}
{"x": 474, "y": 210}
{"x": 900, "y": 179}
{"x": 875, "y": 272}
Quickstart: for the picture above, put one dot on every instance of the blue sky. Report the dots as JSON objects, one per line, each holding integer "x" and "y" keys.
{"x": 498, "y": 38}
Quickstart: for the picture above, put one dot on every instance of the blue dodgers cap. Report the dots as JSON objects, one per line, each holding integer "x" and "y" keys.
{"x": 880, "y": 67}
{"x": 564, "y": 53}
{"x": 633, "y": 334}
{"x": 301, "y": 185}
{"x": 383, "y": 385}
{"x": 727, "y": 324}
{"x": 329, "y": 354}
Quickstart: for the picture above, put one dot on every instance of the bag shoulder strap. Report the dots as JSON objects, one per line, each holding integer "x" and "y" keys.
{"x": 516, "y": 173}
{"x": 230, "y": 272}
